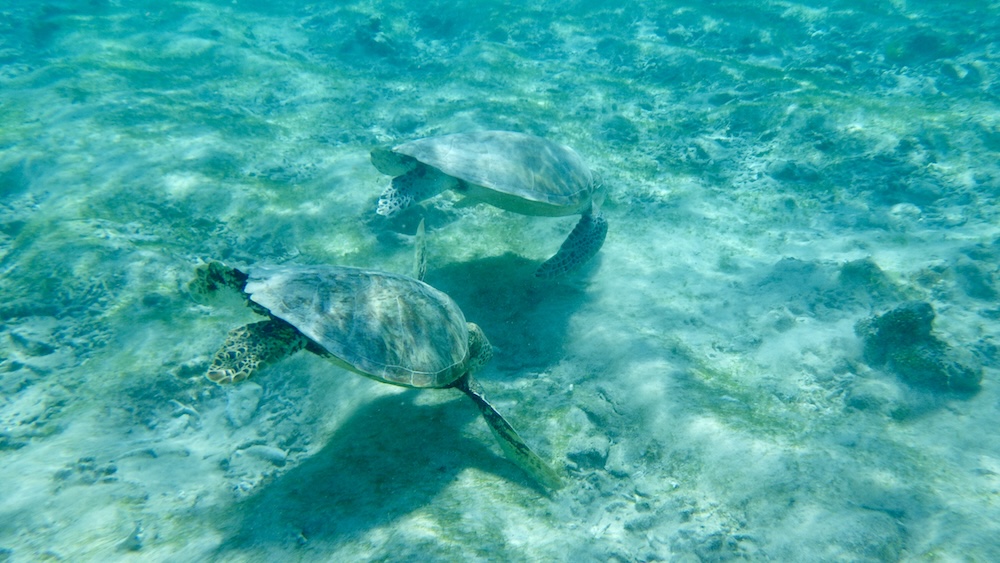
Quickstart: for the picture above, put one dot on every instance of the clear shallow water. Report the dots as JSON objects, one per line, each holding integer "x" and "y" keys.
{"x": 701, "y": 385}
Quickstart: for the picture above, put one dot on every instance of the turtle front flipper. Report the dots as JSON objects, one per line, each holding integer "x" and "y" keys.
{"x": 249, "y": 348}
{"x": 421, "y": 183}
{"x": 510, "y": 442}
{"x": 581, "y": 245}
{"x": 420, "y": 252}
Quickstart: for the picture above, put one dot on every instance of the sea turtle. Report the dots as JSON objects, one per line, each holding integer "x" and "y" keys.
{"x": 513, "y": 171}
{"x": 388, "y": 327}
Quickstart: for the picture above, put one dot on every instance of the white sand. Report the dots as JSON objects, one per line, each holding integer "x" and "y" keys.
{"x": 700, "y": 383}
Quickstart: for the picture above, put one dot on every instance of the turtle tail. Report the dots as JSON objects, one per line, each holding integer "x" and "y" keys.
{"x": 581, "y": 245}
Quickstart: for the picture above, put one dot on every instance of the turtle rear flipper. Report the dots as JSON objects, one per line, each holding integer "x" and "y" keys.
{"x": 249, "y": 348}
{"x": 581, "y": 245}
{"x": 510, "y": 442}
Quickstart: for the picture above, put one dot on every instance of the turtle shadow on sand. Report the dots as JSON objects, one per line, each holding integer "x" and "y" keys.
{"x": 526, "y": 318}
{"x": 390, "y": 458}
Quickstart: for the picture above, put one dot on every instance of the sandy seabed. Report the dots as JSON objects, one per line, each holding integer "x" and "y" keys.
{"x": 778, "y": 173}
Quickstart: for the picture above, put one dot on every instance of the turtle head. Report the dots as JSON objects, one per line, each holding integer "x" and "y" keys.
{"x": 211, "y": 277}
{"x": 386, "y": 161}
{"x": 480, "y": 349}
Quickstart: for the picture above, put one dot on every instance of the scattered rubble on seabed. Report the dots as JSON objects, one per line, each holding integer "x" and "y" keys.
{"x": 785, "y": 350}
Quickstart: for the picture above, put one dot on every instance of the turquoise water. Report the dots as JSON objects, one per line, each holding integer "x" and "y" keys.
{"x": 777, "y": 173}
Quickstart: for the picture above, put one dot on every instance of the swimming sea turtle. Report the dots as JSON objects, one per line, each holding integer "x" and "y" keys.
{"x": 388, "y": 327}
{"x": 512, "y": 171}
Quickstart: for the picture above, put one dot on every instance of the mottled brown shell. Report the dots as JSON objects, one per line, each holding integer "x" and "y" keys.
{"x": 517, "y": 164}
{"x": 389, "y": 327}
